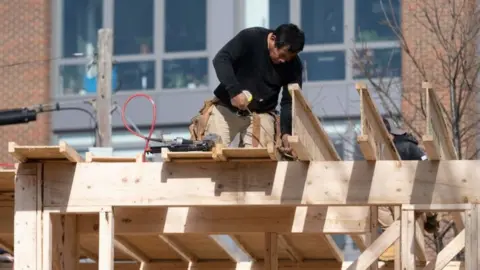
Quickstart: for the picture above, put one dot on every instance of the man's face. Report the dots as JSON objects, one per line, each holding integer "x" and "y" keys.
{"x": 281, "y": 55}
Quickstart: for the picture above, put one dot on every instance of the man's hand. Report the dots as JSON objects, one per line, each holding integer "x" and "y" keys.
{"x": 286, "y": 144}
{"x": 240, "y": 101}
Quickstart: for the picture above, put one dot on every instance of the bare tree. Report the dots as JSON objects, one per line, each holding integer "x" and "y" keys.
{"x": 446, "y": 55}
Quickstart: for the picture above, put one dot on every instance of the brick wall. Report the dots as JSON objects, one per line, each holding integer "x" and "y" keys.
{"x": 24, "y": 73}
{"x": 420, "y": 41}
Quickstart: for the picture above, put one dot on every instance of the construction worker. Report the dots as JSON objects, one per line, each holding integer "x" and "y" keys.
{"x": 252, "y": 68}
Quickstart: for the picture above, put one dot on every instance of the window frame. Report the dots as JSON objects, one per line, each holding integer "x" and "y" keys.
{"x": 347, "y": 46}
{"x": 158, "y": 55}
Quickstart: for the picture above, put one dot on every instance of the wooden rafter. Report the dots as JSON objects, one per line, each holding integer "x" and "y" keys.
{"x": 437, "y": 139}
{"x": 181, "y": 250}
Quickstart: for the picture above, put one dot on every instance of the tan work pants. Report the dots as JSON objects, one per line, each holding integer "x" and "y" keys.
{"x": 228, "y": 124}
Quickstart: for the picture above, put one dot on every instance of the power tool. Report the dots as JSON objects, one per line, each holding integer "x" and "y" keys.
{"x": 184, "y": 145}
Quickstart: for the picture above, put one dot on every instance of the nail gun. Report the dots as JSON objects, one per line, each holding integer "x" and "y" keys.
{"x": 184, "y": 145}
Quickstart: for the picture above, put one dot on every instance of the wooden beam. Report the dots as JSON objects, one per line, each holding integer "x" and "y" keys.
{"x": 106, "y": 240}
{"x": 308, "y": 133}
{"x": 182, "y": 251}
{"x": 51, "y": 152}
{"x": 291, "y": 250}
{"x": 232, "y": 220}
{"x": 408, "y": 227}
{"x": 376, "y": 249}
{"x": 447, "y": 253}
{"x": 61, "y": 244}
{"x": 472, "y": 244}
{"x": 268, "y": 184}
{"x": 129, "y": 249}
{"x": 271, "y": 251}
{"x": 28, "y": 222}
{"x": 437, "y": 139}
{"x": 374, "y": 139}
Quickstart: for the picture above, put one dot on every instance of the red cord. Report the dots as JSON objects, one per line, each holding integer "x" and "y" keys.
{"x": 7, "y": 165}
{"x": 152, "y": 125}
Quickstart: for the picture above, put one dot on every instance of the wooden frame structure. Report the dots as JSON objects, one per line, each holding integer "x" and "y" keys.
{"x": 125, "y": 214}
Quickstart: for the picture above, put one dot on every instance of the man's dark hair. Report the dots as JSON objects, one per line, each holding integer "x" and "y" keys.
{"x": 289, "y": 35}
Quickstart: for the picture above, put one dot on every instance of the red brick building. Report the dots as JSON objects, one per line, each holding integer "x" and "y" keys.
{"x": 25, "y": 32}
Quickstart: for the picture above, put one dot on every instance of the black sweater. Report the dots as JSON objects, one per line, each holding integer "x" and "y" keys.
{"x": 244, "y": 64}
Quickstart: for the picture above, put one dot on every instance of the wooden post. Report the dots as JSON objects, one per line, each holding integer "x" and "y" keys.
{"x": 28, "y": 217}
{"x": 104, "y": 88}
{"x": 106, "y": 238}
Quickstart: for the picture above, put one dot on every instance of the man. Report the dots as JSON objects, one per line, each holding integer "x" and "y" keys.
{"x": 252, "y": 69}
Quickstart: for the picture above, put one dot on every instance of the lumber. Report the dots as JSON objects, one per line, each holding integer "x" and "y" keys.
{"x": 308, "y": 138}
{"x": 28, "y": 205}
{"x": 232, "y": 220}
{"x": 374, "y": 140}
{"x": 268, "y": 183}
{"x": 106, "y": 238}
{"x": 63, "y": 151}
{"x": 437, "y": 139}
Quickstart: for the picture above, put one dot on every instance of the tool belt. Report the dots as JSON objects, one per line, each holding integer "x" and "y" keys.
{"x": 199, "y": 123}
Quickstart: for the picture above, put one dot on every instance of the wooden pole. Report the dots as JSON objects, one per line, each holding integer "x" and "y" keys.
{"x": 104, "y": 88}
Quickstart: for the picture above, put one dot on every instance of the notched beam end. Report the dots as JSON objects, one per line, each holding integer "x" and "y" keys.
{"x": 367, "y": 146}
{"x": 300, "y": 150}
{"x": 431, "y": 148}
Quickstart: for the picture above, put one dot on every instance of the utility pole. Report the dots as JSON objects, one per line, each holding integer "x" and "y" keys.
{"x": 104, "y": 88}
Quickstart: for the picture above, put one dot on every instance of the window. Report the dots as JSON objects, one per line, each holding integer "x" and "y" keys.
{"x": 185, "y": 35}
{"x": 185, "y": 73}
{"x": 81, "y": 22}
{"x": 136, "y": 75}
{"x": 185, "y": 25}
{"x": 279, "y": 12}
{"x": 266, "y": 13}
{"x": 377, "y": 63}
{"x": 133, "y": 24}
{"x": 371, "y": 18}
{"x": 71, "y": 79}
{"x": 322, "y": 21}
{"x": 324, "y": 66}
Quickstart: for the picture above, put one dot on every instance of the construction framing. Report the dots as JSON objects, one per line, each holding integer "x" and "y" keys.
{"x": 125, "y": 214}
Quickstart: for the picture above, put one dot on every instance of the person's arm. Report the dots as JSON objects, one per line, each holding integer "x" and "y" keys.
{"x": 417, "y": 153}
{"x": 224, "y": 59}
{"x": 286, "y": 101}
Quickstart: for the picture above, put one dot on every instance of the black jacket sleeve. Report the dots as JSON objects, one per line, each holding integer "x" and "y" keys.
{"x": 224, "y": 59}
{"x": 416, "y": 153}
{"x": 286, "y": 101}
